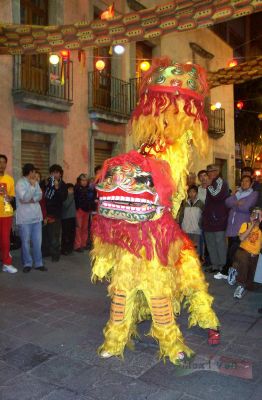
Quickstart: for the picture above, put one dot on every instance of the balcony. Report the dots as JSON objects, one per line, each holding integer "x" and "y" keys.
{"x": 42, "y": 85}
{"x": 108, "y": 97}
{"x": 216, "y": 123}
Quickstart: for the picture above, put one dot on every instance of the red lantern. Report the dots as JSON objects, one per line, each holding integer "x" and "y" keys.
{"x": 232, "y": 63}
{"x": 240, "y": 105}
{"x": 65, "y": 54}
{"x": 108, "y": 13}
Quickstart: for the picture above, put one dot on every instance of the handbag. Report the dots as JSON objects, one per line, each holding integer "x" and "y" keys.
{"x": 258, "y": 273}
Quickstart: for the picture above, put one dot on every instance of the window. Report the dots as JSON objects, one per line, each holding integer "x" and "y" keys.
{"x": 34, "y": 73}
{"x": 35, "y": 149}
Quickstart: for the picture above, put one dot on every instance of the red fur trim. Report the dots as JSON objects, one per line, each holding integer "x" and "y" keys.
{"x": 153, "y": 236}
{"x": 155, "y": 103}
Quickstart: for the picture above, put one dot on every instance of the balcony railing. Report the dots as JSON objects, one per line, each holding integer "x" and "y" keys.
{"x": 216, "y": 123}
{"x": 108, "y": 94}
{"x": 45, "y": 82}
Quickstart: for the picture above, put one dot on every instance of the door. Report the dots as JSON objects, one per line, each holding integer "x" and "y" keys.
{"x": 35, "y": 149}
{"x": 103, "y": 151}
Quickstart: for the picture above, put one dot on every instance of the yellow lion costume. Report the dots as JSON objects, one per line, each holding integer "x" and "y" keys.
{"x": 151, "y": 264}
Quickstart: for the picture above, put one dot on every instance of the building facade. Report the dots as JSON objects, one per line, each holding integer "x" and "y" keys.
{"x": 76, "y": 116}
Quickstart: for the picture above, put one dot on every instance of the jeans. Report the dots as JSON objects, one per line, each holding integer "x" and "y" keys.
{"x": 31, "y": 233}
{"x": 217, "y": 248}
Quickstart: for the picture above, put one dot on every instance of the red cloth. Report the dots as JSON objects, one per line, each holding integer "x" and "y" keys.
{"x": 81, "y": 228}
{"x": 5, "y": 229}
{"x": 151, "y": 235}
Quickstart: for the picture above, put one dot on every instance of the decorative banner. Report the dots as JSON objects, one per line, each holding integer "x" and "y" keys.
{"x": 241, "y": 73}
{"x": 180, "y": 15}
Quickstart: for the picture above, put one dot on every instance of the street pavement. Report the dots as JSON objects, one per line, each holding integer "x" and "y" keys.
{"x": 51, "y": 325}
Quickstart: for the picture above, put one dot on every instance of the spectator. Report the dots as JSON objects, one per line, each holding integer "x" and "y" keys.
{"x": 29, "y": 218}
{"x": 190, "y": 216}
{"x": 215, "y": 220}
{"x": 248, "y": 171}
{"x": 7, "y": 193}
{"x": 202, "y": 188}
{"x": 246, "y": 257}
{"x": 55, "y": 195}
{"x": 82, "y": 213}
{"x": 202, "y": 192}
{"x": 239, "y": 204}
{"x": 68, "y": 221}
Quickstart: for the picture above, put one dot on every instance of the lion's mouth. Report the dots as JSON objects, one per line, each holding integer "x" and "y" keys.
{"x": 133, "y": 209}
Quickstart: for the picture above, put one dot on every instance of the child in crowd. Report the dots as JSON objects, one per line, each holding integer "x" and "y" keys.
{"x": 190, "y": 216}
{"x": 82, "y": 212}
{"x": 246, "y": 257}
{"x": 68, "y": 221}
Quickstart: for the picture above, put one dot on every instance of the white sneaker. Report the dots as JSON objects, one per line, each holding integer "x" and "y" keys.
{"x": 218, "y": 275}
{"x": 10, "y": 269}
{"x": 239, "y": 292}
{"x": 105, "y": 354}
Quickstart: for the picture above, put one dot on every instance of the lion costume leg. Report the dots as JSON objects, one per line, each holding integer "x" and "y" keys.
{"x": 165, "y": 329}
{"x": 121, "y": 325}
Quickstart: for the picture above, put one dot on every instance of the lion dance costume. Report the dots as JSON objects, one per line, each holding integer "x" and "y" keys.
{"x": 151, "y": 264}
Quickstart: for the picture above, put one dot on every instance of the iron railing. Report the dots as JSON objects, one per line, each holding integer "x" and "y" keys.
{"x": 216, "y": 123}
{"x": 108, "y": 94}
{"x": 54, "y": 81}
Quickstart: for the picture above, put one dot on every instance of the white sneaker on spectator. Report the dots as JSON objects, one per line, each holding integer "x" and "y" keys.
{"x": 232, "y": 276}
{"x": 239, "y": 292}
{"x": 9, "y": 268}
{"x": 219, "y": 275}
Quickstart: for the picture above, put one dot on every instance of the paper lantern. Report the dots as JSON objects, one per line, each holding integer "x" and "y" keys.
{"x": 232, "y": 63}
{"x": 144, "y": 66}
{"x": 118, "y": 49}
{"x": 240, "y": 105}
{"x": 100, "y": 65}
{"x": 65, "y": 54}
{"x": 54, "y": 59}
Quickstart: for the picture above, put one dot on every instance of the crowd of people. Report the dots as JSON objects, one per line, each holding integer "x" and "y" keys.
{"x": 54, "y": 218}
{"x": 225, "y": 226}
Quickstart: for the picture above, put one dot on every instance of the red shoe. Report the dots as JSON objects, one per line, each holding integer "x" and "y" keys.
{"x": 213, "y": 337}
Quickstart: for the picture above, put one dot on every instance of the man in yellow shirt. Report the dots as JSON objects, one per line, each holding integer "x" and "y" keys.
{"x": 7, "y": 193}
{"x": 246, "y": 257}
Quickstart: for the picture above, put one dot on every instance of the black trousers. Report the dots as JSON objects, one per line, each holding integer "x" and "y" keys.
{"x": 233, "y": 245}
{"x": 68, "y": 234}
{"x": 52, "y": 239}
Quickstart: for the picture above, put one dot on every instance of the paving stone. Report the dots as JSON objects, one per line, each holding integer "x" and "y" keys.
{"x": 31, "y": 331}
{"x": 7, "y": 372}
{"x": 25, "y": 387}
{"x": 95, "y": 380}
{"x": 8, "y": 343}
{"x": 27, "y": 356}
{"x": 58, "y": 368}
{"x": 196, "y": 383}
{"x": 60, "y": 340}
{"x": 63, "y": 394}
